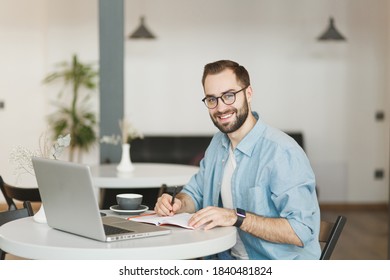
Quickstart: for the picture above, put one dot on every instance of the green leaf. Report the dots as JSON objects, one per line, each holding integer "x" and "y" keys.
{"x": 73, "y": 118}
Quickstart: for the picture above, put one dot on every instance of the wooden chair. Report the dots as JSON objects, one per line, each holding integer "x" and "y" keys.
{"x": 329, "y": 235}
{"x": 12, "y": 193}
{"x": 165, "y": 189}
{"x": 10, "y": 215}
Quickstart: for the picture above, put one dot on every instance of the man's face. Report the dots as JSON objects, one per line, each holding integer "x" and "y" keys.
{"x": 227, "y": 118}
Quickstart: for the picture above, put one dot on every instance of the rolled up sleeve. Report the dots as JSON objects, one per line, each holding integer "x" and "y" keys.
{"x": 294, "y": 194}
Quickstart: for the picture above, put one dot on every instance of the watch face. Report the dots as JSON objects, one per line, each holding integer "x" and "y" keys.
{"x": 240, "y": 212}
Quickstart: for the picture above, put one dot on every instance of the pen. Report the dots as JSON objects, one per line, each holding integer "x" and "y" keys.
{"x": 173, "y": 195}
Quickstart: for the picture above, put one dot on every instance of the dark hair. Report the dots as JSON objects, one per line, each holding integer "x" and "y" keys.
{"x": 216, "y": 67}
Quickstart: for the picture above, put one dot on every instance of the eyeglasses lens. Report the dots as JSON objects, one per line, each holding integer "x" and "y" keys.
{"x": 228, "y": 98}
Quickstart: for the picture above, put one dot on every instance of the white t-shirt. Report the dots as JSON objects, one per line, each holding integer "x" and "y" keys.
{"x": 238, "y": 250}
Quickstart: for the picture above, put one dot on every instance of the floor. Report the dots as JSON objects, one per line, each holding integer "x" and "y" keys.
{"x": 365, "y": 235}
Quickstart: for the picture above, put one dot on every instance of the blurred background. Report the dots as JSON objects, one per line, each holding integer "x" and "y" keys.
{"x": 335, "y": 92}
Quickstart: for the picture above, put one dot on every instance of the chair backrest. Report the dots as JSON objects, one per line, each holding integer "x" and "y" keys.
{"x": 10, "y": 215}
{"x": 165, "y": 189}
{"x": 329, "y": 235}
{"x": 12, "y": 193}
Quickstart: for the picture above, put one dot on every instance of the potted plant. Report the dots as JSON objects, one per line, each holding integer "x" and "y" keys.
{"x": 74, "y": 116}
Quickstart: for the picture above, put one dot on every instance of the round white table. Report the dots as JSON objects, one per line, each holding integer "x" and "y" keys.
{"x": 28, "y": 239}
{"x": 145, "y": 175}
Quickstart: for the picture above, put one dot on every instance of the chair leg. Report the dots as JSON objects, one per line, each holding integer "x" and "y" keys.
{"x": 2, "y": 255}
{"x": 27, "y": 205}
{"x": 12, "y": 207}
{"x": 162, "y": 190}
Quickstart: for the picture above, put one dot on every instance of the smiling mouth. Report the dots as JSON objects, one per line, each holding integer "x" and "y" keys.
{"x": 225, "y": 116}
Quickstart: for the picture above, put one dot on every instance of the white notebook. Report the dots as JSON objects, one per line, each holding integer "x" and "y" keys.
{"x": 180, "y": 220}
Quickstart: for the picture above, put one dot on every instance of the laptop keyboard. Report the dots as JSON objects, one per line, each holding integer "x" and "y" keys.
{"x": 110, "y": 230}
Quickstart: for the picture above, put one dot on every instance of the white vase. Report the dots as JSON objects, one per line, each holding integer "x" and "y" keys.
{"x": 125, "y": 166}
{"x": 40, "y": 216}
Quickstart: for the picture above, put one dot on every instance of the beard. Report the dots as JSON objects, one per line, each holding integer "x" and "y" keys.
{"x": 241, "y": 116}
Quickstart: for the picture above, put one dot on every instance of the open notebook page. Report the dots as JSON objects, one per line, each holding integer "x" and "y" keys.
{"x": 180, "y": 220}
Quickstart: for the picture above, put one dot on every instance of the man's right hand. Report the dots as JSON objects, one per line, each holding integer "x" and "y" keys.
{"x": 165, "y": 208}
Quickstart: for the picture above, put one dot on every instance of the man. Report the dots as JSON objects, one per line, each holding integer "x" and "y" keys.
{"x": 253, "y": 176}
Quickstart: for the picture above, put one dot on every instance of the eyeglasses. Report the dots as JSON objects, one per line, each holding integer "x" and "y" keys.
{"x": 228, "y": 98}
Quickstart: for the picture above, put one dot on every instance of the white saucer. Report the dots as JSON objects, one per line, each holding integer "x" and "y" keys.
{"x": 141, "y": 209}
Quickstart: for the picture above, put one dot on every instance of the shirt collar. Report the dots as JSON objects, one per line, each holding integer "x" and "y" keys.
{"x": 247, "y": 144}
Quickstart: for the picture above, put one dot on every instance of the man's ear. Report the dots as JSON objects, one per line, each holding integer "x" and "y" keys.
{"x": 249, "y": 93}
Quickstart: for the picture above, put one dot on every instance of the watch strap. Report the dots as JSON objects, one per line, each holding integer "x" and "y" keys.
{"x": 241, "y": 214}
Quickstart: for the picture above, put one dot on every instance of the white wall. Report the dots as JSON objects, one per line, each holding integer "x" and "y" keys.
{"x": 23, "y": 55}
{"x": 34, "y": 37}
{"x": 330, "y": 91}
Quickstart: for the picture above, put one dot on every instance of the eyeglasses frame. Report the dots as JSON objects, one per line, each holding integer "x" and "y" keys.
{"x": 220, "y": 97}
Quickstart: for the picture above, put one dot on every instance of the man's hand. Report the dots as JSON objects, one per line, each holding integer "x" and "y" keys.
{"x": 211, "y": 217}
{"x": 165, "y": 208}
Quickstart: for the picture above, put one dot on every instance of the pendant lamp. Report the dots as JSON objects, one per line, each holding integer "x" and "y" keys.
{"x": 331, "y": 33}
{"x": 141, "y": 32}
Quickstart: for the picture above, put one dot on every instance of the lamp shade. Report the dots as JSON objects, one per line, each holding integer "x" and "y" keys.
{"x": 141, "y": 32}
{"x": 331, "y": 33}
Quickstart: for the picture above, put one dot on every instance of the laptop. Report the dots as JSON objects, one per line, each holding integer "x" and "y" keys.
{"x": 70, "y": 204}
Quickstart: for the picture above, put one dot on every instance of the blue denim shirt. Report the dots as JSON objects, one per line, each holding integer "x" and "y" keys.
{"x": 273, "y": 178}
